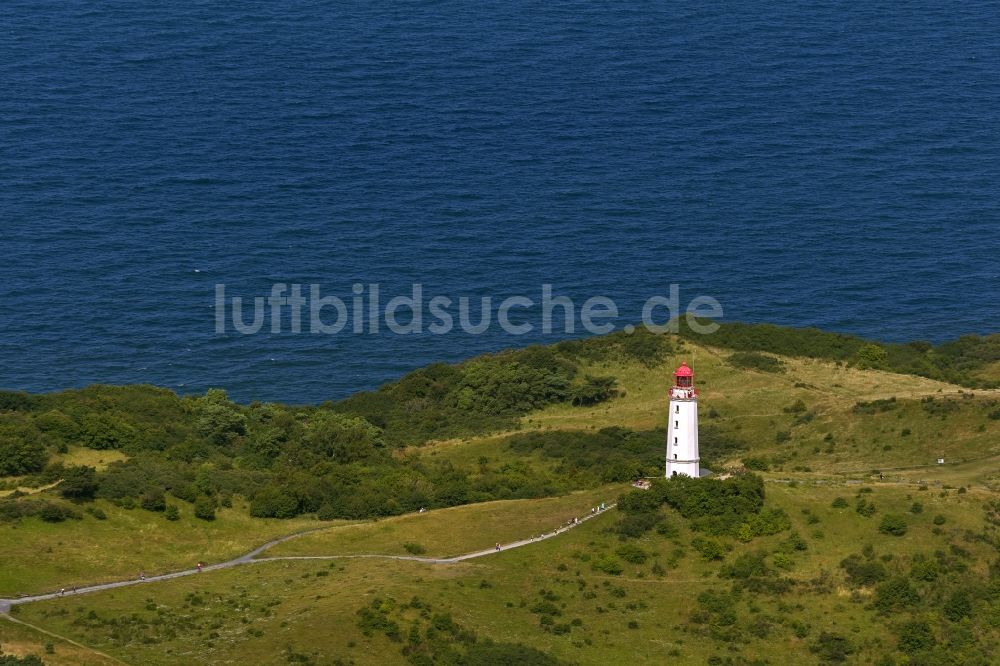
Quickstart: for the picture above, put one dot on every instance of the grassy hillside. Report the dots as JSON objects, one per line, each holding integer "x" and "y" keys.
{"x": 450, "y": 532}
{"x": 812, "y": 416}
{"x": 41, "y": 556}
{"x": 762, "y": 600}
{"x": 108, "y": 481}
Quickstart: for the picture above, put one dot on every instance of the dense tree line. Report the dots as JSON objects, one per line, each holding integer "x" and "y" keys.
{"x": 491, "y": 392}
{"x": 335, "y": 460}
{"x": 956, "y": 361}
{"x": 733, "y": 506}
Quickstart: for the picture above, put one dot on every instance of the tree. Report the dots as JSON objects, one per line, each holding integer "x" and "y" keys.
{"x": 494, "y": 385}
{"x": 344, "y": 438}
{"x": 21, "y": 452}
{"x": 78, "y": 483}
{"x": 204, "y": 508}
{"x": 219, "y": 419}
{"x": 594, "y": 390}
{"x": 153, "y": 500}
{"x": 872, "y": 356}
{"x": 274, "y": 502}
{"x": 57, "y": 425}
{"x": 172, "y": 512}
{"x": 107, "y": 431}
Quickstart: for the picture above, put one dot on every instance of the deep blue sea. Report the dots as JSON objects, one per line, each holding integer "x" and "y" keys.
{"x": 832, "y": 165}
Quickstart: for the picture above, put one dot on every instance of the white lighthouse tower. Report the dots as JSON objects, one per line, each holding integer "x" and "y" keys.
{"x": 682, "y": 426}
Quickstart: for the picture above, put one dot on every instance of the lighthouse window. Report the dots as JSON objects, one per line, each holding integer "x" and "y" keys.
{"x": 675, "y": 441}
{"x": 677, "y": 424}
{"x": 677, "y": 409}
{"x": 675, "y": 456}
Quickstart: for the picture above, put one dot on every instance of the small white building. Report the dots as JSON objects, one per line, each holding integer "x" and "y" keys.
{"x": 682, "y": 426}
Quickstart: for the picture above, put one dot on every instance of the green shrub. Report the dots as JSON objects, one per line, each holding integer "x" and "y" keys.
{"x": 939, "y": 519}
{"x": 414, "y": 548}
{"x": 172, "y": 512}
{"x": 709, "y": 548}
{"x": 863, "y": 572}
{"x": 958, "y": 606}
{"x": 892, "y": 523}
{"x": 796, "y": 407}
{"x": 153, "y": 500}
{"x": 925, "y": 570}
{"x": 78, "y": 483}
{"x": 632, "y": 554}
{"x": 608, "y": 564}
{"x": 756, "y": 464}
{"x": 794, "y": 543}
{"x": 895, "y": 594}
{"x": 745, "y": 566}
{"x": 755, "y": 361}
{"x": 876, "y": 406}
{"x": 636, "y": 524}
{"x": 832, "y": 648}
{"x": 915, "y": 636}
{"x": 865, "y": 508}
{"x": 51, "y": 512}
{"x": 327, "y": 511}
{"x": 839, "y": 503}
{"x": 783, "y": 561}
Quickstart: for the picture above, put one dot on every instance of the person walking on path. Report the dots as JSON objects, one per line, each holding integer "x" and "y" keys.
{"x": 498, "y": 546}
{"x": 199, "y": 567}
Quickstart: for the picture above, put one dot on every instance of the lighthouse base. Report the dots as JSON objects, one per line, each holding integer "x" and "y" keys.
{"x": 690, "y": 468}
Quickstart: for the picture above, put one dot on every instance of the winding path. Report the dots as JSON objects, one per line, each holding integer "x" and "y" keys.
{"x": 252, "y": 557}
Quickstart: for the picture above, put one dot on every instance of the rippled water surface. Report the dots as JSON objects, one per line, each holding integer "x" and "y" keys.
{"x": 834, "y": 166}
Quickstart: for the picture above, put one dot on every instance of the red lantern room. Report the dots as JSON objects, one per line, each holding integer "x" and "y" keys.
{"x": 684, "y": 376}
